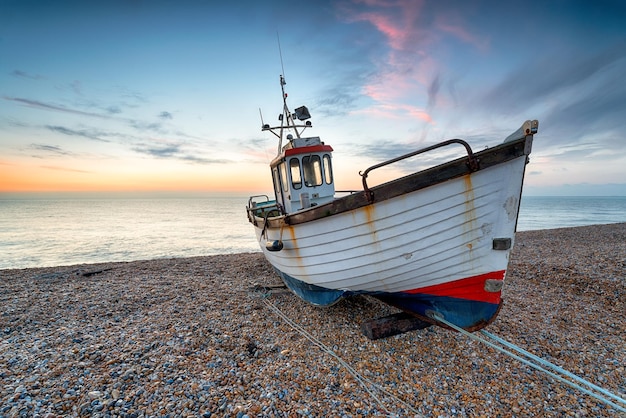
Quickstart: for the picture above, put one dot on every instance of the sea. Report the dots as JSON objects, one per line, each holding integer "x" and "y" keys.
{"x": 52, "y": 231}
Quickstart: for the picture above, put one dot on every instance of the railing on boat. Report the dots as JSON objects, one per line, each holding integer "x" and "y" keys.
{"x": 472, "y": 161}
{"x": 263, "y": 209}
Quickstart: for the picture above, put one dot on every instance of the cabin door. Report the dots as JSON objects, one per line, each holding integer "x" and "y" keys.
{"x": 278, "y": 191}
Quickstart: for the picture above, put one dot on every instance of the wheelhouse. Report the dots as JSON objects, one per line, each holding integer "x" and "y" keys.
{"x": 302, "y": 174}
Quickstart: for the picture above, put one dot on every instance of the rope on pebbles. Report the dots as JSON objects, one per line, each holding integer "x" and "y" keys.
{"x": 537, "y": 366}
{"x": 369, "y": 386}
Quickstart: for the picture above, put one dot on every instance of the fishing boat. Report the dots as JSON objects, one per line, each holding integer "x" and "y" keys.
{"x": 434, "y": 243}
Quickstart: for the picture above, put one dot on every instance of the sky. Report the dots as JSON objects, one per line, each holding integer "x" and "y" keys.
{"x": 167, "y": 96}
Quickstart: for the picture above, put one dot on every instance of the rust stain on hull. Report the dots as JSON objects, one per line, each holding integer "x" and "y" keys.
{"x": 369, "y": 213}
{"x": 469, "y": 223}
{"x": 470, "y": 210}
{"x": 291, "y": 250}
{"x": 294, "y": 240}
{"x": 370, "y": 217}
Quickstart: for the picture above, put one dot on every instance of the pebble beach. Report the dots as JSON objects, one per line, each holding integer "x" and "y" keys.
{"x": 219, "y": 336}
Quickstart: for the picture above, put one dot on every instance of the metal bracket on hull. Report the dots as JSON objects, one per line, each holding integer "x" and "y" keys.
{"x": 276, "y": 245}
{"x": 472, "y": 162}
{"x": 502, "y": 244}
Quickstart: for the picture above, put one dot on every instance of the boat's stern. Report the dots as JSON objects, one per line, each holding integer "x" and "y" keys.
{"x": 261, "y": 207}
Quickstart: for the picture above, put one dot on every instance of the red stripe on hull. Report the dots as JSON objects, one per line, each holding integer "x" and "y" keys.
{"x": 470, "y": 288}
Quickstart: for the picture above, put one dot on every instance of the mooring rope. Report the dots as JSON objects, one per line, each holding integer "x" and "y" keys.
{"x": 363, "y": 381}
{"x": 368, "y": 384}
{"x": 538, "y": 367}
{"x": 552, "y": 366}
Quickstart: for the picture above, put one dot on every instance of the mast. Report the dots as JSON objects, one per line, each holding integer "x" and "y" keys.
{"x": 288, "y": 119}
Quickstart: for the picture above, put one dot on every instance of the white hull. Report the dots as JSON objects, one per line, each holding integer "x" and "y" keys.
{"x": 425, "y": 238}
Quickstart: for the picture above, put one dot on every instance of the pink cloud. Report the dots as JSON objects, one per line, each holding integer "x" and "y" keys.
{"x": 419, "y": 113}
{"x": 394, "y": 19}
{"x": 463, "y": 34}
{"x": 399, "y": 21}
{"x": 415, "y": 34}
{"x": 384, "y": 24}
{"x": 397, "y": 111}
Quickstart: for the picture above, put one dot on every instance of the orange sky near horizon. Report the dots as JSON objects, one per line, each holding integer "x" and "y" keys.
{"x": 129, "y": 176}
{"x": 30, "y": 178}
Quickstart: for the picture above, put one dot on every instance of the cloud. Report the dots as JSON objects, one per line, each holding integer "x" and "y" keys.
{"x": 349, "y": 73}
{"x": 336, "y": 102}
{"x": 603, "y": 108}
{"x": 77, "y": 87}
{"x": 578, "y": 96}
{"x": 146, "y": 126}
{"x": 113, "y": 110}
{"x": 433, "y": 91}
{"x": 397, "y": 21}
{"x": 133, "y": 96}
{"x": 71, "y": 170}
{"x": 14, "y": 122}
{"x": 396, "y": 111}
{"x": 48, "y": 106}
{"x": 159, "y": 152}
{"x": 408, "y": 74}
{"x": 577, "y": 189}
{"x": 24, "y": 74}
{"x": 110, "y": 136}
{"x": 175, "y": 152}
{"x": 385, "y": 25}
{"x": 559, "y": 73}
{"x": 49, "y": 149}
{"x": 254, "y": 144}
{"x": 383, "y": 150}
{"x": 462, "y": 33}
{"x": 202, "y": 160}
{"x": 82, "y": 133}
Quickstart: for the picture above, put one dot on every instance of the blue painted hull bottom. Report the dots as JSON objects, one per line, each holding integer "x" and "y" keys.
{"x": 311, "y": 293}
{"x": 468, "y": 314}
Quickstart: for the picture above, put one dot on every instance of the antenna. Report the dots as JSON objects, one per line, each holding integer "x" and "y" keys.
{"x": 280, "y": 52}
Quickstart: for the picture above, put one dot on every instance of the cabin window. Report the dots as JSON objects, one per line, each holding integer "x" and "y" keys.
{"x": 296, "y": 176}
{"x": 312, "y": 167}
{"x": 328, "y": 170}
{"x": 283, "y": 176}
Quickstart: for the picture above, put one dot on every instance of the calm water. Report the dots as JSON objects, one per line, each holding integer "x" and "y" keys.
{"x": 548, "y": 212}
{"x": 51, "y": 232}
